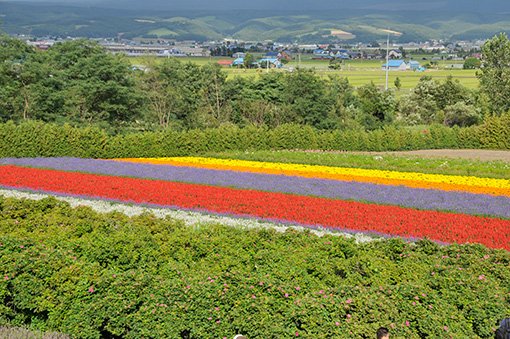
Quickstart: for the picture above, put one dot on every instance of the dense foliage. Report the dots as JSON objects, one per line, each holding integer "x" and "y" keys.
{"x": 75, "y": 82}
{"x": 93, "y": 275}
{"x": 32, "y": 139}
{"x": 495, "y": 73}
{"x": 80, "y": 83}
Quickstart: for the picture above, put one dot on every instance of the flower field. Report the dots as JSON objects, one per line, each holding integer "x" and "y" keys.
{"x": 443, "y": 208}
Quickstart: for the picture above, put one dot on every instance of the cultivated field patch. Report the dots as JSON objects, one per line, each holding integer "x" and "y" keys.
{"x": 342, "y": 34}
{"x": 412, "y": 205}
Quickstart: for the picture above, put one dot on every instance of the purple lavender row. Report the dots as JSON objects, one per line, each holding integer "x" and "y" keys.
{"x": 426, "y": 199}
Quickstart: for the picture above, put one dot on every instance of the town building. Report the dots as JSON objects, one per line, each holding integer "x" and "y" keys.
{"x": 395, "y": 65}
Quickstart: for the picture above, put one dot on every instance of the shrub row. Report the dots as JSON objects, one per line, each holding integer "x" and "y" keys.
{"x": 30, "y": 139}
{"x": 106, "y": 275}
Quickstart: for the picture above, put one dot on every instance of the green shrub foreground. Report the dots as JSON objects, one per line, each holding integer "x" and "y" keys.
{"x": 31, "y": 138}
{"x": 93, "y": 275}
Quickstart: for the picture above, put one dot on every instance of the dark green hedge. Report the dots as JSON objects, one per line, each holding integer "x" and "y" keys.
{"x": 30, "y": 139}
{"x": 92, "y": 275}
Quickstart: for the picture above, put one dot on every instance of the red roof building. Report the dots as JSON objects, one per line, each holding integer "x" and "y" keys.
{"x": 225, "y": 63}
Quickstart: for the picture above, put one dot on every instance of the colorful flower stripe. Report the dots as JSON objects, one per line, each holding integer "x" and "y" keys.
{"x": 410, "y": 179}
{"x": 389, "y": 195}
{"x": 189, "y": 218}
{"x": 335, "y": 214}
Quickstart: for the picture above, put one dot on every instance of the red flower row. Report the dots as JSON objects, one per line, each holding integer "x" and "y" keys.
{"x": 334, "y": 214}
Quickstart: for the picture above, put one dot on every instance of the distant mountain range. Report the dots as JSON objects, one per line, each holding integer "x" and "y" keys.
{"x": 296, "y": 21}
{"x": 486, "y": 6}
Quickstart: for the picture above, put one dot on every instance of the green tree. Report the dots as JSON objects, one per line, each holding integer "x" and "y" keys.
{"x": 305, "y": 92}
{"x": 495, "y": 73}
{"x": 162, "y": 102}
{"x": 269, "y": 87}
{"x": 187, "y": 80}
{"x": 13, "y": 50}
{"x": 342, "y": 113}
{"x": 410, "y": 110}
{"x": 377, "y": 106}
{"x": 29, "y": 87}
{"x": 335, "y": 64}
{"x": 402, "y": 51}
{"x": 43, "y": 85}
{"x": 248, "y": 60}
{"x": 260, "y": 100}
{"x": 398, "y": 83}
{"x": 472, "y": 63}
{"x": 16, "y": 99}
{"x": 462, "y": 115}
{"x": 425, "y": 94}
{"x": 450, "y": 92}
{"x": 80, "y": 82}
{"x": 215, "y": 106}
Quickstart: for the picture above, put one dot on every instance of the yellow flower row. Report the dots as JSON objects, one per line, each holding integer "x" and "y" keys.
{"x": 412, "y": 179}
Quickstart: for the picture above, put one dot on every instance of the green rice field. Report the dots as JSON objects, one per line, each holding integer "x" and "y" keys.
{"x": 359, "y": 72}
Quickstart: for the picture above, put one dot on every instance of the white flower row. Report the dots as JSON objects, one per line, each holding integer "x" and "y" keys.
{"x": 189, "y": 218}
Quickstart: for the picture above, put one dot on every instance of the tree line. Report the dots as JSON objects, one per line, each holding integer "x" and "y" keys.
{"x": 78, "y": 82}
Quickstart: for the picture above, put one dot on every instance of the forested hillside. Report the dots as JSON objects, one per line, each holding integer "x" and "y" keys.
{"x": 301, "y": 23}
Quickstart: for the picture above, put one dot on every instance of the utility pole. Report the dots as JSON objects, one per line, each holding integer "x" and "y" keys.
{"x": 387, "y": 59}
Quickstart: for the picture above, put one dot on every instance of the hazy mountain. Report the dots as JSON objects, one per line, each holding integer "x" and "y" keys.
{"x": 297, "y": 20}
{"x": 486, "y": 6}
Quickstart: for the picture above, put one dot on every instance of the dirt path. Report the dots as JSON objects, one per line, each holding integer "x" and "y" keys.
{"x": 474, "y": 154}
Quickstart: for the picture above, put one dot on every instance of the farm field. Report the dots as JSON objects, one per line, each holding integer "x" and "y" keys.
{"x": 322, "y": 244}
{"x": 408, "y": 204}
{"x": 359, "y": 72}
